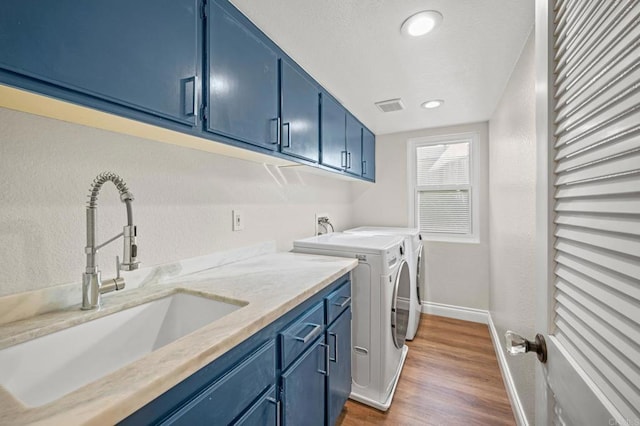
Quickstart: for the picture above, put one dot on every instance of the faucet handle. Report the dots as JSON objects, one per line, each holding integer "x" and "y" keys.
{"x": 118, "y": 265}
{"x": 116, "y": 283}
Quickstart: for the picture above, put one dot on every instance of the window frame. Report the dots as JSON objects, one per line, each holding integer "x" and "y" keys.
{"x": 412, "y": 145}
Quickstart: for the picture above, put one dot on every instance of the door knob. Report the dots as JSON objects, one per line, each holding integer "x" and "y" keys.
{"x": 516, "y": 344}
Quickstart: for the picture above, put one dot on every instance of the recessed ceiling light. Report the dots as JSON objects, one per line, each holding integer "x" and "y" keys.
{"x": 434, "y": 103}
{"x": 421, "y": 23}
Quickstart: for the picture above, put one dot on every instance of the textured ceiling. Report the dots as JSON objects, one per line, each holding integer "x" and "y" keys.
{"x": 354, "y": 48}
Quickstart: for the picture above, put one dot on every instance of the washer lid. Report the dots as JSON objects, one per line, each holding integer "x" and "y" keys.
{"x": 383, "y": 230}
{"x": 414, "y": 233}
{"x": 374, "y": 244}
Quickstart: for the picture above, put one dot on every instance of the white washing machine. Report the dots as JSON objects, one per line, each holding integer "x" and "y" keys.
{"x": 411, "y": 295}
{"x": 378, "y": 325}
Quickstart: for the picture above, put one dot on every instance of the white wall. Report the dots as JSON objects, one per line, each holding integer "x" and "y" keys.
{"x": 512, "y": 181}
{"x": 183, "y": 200}
{"x": 456, "y": 273}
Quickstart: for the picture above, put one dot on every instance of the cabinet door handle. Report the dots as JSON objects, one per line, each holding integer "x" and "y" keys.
{"x": 343, "y": 159}
{"x": 277, "y": 131}
{"x": 348, "y": 160}
{"x": 277, "y": 403}
{"x": 364, "y": 167}
{"x": 288, "y": 134}
{"x": 313, "y": 333}
{"x": 190, "y": 96}
{"x": 326, "y": 359}
{"x": 335, "y": 347}
{"x": 346, "y": 301}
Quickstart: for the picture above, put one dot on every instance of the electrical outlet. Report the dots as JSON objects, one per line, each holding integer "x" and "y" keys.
{"x": 317, "y": 228}
{"x": 238, "y": 220}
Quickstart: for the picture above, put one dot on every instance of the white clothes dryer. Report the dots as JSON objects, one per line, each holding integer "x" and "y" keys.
{"x": 412, "y": 295}
{"x": 379, "y": 324}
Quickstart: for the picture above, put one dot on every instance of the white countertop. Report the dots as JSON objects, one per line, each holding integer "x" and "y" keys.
{"x": 270, "y": 284}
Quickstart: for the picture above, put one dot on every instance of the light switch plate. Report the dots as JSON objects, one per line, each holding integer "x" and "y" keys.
{"x": 238, "y": 220}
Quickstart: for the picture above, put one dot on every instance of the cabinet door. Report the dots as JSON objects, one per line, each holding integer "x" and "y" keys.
{"x": 243, "y": 80}
{"x": 368, "y": 155}
{"x": 354, "y": 146}
{"x": 142, "y": 54}
{"x": 333, "y": 143}
{"x": 303, "y": 388}
{"x": 300, "y": 114}
{"x": 339, "y": 379}
{"x": 262, "y": 413}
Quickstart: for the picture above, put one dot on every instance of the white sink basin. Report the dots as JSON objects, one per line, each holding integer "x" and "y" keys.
{"x": 44, "y": 369}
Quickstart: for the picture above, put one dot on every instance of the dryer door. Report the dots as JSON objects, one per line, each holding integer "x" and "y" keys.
{"x": 400, "y": 308}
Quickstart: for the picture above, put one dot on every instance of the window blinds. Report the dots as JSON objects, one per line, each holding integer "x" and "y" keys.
{"x": 443, "y": 164}
{"x": 443, "y": 188}
{"x": 444, "y": 212}
{"x": 597, "y": 210}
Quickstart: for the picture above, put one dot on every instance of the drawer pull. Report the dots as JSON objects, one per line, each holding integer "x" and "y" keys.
{"x": 313, "y": 333}
{"x": 347, "y": 300}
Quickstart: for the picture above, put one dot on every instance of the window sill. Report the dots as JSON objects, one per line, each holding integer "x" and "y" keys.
{"x": 450, "y": 239}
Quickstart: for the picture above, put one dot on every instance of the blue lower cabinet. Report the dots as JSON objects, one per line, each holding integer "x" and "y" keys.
{"x": 339, "y": 379}
{"x": 265, "y": 411}
{"x": 229, "y": 397}
{"x": 296, "y": 338}
{"x": 303, "y": 388}
{"x": 283, "y": 374}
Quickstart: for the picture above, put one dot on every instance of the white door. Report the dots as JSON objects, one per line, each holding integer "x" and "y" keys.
{"x": 588, "y": 211}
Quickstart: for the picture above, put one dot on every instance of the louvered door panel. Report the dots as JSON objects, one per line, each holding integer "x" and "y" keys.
{"x": 597, "y": 180}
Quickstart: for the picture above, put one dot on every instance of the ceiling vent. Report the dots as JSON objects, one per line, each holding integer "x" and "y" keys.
{"x": 390, "y": 105}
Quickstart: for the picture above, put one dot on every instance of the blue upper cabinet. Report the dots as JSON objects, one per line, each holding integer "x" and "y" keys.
{"x": 333, "y": 142}
{"x": 354, "y": 146}
{"x": 243, "y": 80}
{"x": 143, "y": 55}
{"x": 368, "y": 155}
{"x": 192, "y": 66}
{"x": 300, "y": 113}
{"x": 345, "y": 144}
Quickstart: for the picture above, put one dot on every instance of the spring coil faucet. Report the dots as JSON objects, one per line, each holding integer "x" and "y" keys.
{"x": 92, "y": 285}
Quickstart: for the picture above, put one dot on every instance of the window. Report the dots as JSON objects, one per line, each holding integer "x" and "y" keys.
{"x": 441, "y": 180}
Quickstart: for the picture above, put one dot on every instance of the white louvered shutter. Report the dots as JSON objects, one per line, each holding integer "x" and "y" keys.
{"x": 444, "y": 188}
{"x": 597, "y": 149}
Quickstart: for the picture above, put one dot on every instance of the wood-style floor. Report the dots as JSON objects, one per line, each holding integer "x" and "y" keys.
{"x": 451, "y": 377}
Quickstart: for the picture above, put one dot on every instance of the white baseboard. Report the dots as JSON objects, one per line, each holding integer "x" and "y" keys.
{"x": 457, "y": 312}
{"x": 512, "y": 392}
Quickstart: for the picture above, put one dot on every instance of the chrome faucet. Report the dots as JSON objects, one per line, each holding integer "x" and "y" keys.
{"x": 92, "y": 285}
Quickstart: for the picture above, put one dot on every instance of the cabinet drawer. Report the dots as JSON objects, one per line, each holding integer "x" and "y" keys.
{"x": 229, "y": 396}
{"x": 301, "y": 334}
{"x": 337, "y": 302}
